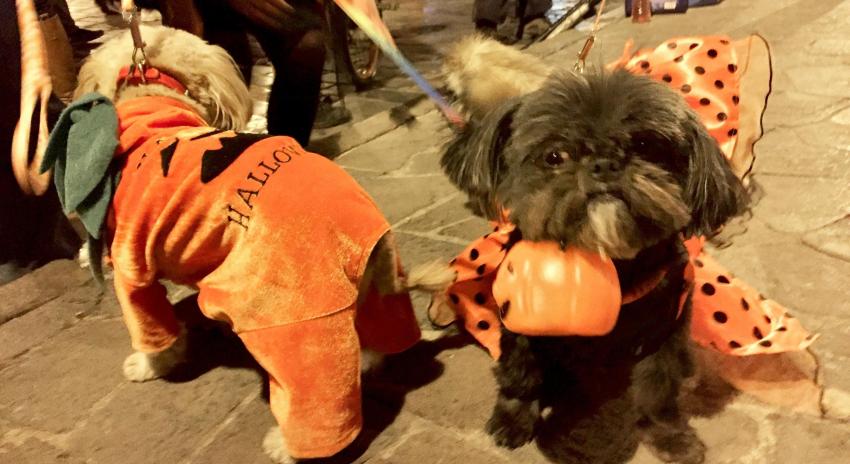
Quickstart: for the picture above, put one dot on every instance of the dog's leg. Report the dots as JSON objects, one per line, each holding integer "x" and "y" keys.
{"x": 141, "y": 367}
{"x": 382, "y": 270}
{"x": 274, "y": 446}
{"x": 656, "y": 381}
{"x": 371, "y": 361}
{"x": 517, "y": 409}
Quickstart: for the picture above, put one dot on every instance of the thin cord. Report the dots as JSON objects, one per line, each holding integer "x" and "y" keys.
{"x": 598, "y": 17}
{"x": 591, "y": 39}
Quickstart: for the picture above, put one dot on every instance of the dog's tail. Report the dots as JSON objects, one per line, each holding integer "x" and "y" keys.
{"x": 483, "y": 73}
{"x": 431, "y": 277}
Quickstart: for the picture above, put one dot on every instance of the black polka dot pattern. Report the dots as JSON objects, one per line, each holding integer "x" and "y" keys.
{"x": 732, "y": 68}
{"x": 473, "y": 254}
{"x": 766, "y": 343}
{"x": 699, "y": 70}
{"x": 767, "y": 319}
{"x": 723, "y": 279}
{"x": 712, "y": 53}
{"x": 644, "y": 64}
{"x": 732, "y": 132}
{"x": 483, "y": 325}
{"x": 721, "y": 116}
{"x": 678, "y": 59}
{"x": 704, "y": 101}
{"x": 757, "y": 333}
{"x": 718, "y": 83}
{"x": 735, "y": 99}
{"x": 686, "y": 88}
{"x": 698, "y": 263}
{"x": 481, "y": 269}
{"x": 671, "y": 45}
{"x": 708, "y": 289}
{"x": 480, "y": 298}
{"x": 733, "y": 344}
{"x": 693, "y": 46}
{"x": 720, "y": 317}
{"x": 782, "y": 329}
{"x": 745, "y": 304}
{"x": 667, "y": 78}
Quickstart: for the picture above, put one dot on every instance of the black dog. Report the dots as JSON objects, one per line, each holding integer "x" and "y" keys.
{"x": 615, "y": 163}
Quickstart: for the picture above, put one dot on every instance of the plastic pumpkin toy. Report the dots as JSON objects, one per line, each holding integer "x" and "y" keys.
{"x": 543, "y": 290}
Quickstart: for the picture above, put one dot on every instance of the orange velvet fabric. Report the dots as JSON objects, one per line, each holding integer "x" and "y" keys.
{"x": 276, "y": 243}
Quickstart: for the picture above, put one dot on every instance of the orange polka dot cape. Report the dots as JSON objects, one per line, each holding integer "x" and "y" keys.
{"x": 276, "y": 240}
{"x": 728, "y": 315}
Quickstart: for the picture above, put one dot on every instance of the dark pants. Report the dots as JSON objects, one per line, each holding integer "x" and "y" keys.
{"x": 33, "y": 230}
{"x": 296, "y": 51}
{"x": 493, "y": 10}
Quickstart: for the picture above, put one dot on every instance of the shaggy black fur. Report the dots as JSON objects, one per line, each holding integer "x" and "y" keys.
{"x": 616, "y": 163}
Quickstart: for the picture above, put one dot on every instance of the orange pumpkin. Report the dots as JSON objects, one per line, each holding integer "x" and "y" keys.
{"x": 543, "y": 290}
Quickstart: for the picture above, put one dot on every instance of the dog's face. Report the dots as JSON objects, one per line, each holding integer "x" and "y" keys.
{"x": 609, "y": 162}
{"x": 214, "y": 84}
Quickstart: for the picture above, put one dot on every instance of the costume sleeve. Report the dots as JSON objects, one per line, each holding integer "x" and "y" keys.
{"x": 148, "y": 314}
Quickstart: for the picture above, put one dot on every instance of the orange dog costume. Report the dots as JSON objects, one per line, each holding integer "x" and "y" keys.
{"x": 276, "y": 240}
{"x": 728, "y": 315}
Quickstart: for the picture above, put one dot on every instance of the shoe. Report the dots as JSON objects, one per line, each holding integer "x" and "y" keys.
{"x": 486, "y": 28}
{"x": 80, "y": 35}
{"x": 329, "y": 115}
{"x": 536, "y": 27}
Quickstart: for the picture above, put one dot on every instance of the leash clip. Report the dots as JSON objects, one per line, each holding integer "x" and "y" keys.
{"x": 582, "y": 55}
{"x": 138, "y": 61}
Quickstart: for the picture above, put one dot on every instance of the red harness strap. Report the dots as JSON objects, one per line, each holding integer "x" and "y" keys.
{"x": 152, "y": 76}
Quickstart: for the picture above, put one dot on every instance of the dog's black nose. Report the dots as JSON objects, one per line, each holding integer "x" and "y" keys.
{"x": 604, "y": 168}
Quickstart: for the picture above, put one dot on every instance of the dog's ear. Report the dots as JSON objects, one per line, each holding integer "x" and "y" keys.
{"x": 473, "y": 159}
{"x": 714, "y": 193}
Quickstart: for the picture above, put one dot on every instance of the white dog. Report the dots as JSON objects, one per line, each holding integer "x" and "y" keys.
{"x": 281, "y": 243}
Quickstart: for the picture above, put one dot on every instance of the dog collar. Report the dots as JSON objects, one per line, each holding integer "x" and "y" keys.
{"x": 642, "y": 288}
{"x": 131, "y": 76}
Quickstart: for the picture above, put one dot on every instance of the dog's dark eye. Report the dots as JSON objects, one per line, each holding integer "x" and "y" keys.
{"x": 554, "y": 159}
{"x": 653, "y": 148}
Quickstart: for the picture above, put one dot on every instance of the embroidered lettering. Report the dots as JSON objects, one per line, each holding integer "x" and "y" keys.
{"x": 279, "y": 154}
{"x": 272, "y": 170}
{"x": 247, "y": 195}
{"x": 239, "y": 219}
{"x": 259, "y": 177}
{"x": 256, "y": 179}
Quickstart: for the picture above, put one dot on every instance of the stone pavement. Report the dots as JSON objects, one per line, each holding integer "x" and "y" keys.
{"x": 63, "y": 398}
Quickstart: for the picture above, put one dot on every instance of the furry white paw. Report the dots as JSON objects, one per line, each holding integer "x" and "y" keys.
{"x": 83, "y": 258}
{"x": 138, "y": 367}
{"x": 275, "y": 447}
{"x": 370, "y": 361}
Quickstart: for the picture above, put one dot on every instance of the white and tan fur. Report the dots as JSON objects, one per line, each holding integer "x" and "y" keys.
{"x": 215, "y": 90}
{"x": 215, "y": 87}
{"x": 483, "y": 73}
